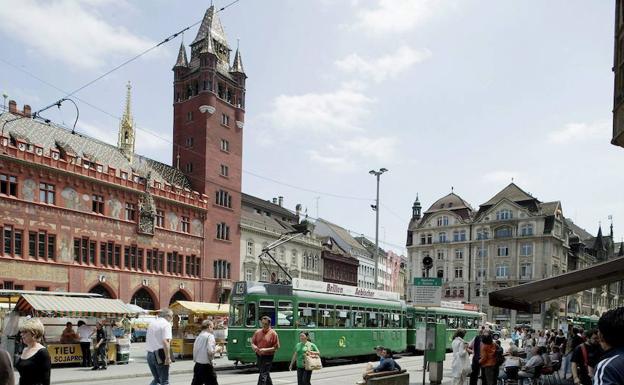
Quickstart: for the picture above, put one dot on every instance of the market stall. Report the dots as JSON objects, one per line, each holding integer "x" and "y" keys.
{"x": 188, "y": 317}
{"x": 56, "y": 310}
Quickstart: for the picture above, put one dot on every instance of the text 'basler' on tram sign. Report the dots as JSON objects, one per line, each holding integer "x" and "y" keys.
{"x": 428, "y": 291}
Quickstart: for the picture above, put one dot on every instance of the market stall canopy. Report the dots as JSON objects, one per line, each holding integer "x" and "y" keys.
{"x": 137, "y": 309}
{"x": 529, "y": 296}
{"x": 12, "y": 296}
{"x": 200, "y": 308}
{"x": 63, "y": 306}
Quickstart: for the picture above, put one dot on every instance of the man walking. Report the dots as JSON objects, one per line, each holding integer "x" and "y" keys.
{"x": 85, "y": 332}
{"x": 99, "y": 354}
{"x": 610, "y": 369}
{"x": 203, "y": 354}
{"x": 265, "y": 343}
{"x": 158, "y": 346}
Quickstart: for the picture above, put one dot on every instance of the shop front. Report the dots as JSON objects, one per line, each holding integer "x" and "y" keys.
{"x": 55, "y": 311}
{"x": 187, "y": 320}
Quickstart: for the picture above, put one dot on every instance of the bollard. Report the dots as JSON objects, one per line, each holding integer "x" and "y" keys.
{"x": 436, "y": 372}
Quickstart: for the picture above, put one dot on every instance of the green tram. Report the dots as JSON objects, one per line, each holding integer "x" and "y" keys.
{"x": 343, "y": 321}
{"x": 452, "y": 318}
{"x": 586, "y": 322}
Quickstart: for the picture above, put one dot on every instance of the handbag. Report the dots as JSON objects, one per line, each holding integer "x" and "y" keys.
{"x": 312, "y": 360}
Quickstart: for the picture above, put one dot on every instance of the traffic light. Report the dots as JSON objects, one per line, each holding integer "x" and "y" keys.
{"x": 427, "y": 262}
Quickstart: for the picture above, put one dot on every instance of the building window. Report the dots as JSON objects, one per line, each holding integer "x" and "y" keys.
{"x": 223, "y": 198}
{"x": 443, "y": 221}
{"x": 459, "y": 254}
{"x": 423, "y": 239}
{"x": 502, "y": 271}
{"x": 84, "y": 250}
{"x": 221, "y": 269}
{"x": 440, "y": 254}
{"x": 11, "y": 241}
{"x": 250, "y": 248}
{"x": 503, "y": 251}
{"x": 526, "y": 249}
{"x": 46, "y": 193}
{"x": 130, "y": 212}
{"x": 503, "y": 215}
{"x": 442, "y": 237}
{"x": 248, "y": 275}
{"x": 160, "y": 218}
{"x": 429, "y": 239}
{"x": 223, "y": 231}
{"x": 225, "y": 119}
{"x": 8, "y": 185}
{"x": 481, "y": 273}
{"x": 189, "y": 141}
{"x": 294, "y": 258}
{"x": 459, "y": 235}
{"x": 189, "y": 167}
{"x": 189, "y": 116}
{"x": 225, "y": 145}
{"x": 224, "y": 171}
{"x": 526, "y": 271}
{"x": 97, "y": 205}
{"x": 482, "y": 234}
{"x": 482, "y": 252}
{"x": 503, "y": 232}
{"x": 526, "y": 230}
{"x": 459, "y": 272}
{"x": 186, "y": 224}
{"x": 440, "y": 273}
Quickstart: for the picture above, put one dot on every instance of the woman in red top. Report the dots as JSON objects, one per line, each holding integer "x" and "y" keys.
{"x": 488, "y": 360}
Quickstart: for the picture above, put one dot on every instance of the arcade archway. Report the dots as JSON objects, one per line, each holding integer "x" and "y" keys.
{"x": 102, "y": 290}
{"x": 144, "y": 299}
{"x": 179, "y": 296}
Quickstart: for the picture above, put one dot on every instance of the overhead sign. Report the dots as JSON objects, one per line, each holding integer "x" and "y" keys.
{"x": 428, "y": 291}
{"x": 334, "y": 288}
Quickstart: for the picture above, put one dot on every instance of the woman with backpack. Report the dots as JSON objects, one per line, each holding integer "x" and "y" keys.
{"x": 488, "y": 360}
{"x": 303, "y": 348}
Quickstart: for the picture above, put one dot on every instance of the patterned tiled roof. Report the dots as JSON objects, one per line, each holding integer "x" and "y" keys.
{"x": 51, "y": 136}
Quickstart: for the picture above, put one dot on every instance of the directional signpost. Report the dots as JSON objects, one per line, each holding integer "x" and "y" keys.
{"x": 428, "y": 292}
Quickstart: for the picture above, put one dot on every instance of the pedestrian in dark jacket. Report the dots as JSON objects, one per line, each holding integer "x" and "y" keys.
{"x": 610, "y": 369}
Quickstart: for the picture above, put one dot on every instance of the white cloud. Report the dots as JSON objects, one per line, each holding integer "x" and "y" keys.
{"x": 388, "y": 66}
{"x": 347, "y": 155}
{"x": 339, "y": 111}
{"x": 394, "y": 16}
{"x": 69, "y": 31}
{"x": 572, "y": 132}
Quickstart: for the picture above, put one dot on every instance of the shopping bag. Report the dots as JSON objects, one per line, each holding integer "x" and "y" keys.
{"x": 312, "y": 361}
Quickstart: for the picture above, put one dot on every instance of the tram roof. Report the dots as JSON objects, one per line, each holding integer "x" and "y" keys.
{"x": 529, "y": 296}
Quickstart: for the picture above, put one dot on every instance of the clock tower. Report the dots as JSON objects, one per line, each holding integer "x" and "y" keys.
{"x": 208, "y": 121}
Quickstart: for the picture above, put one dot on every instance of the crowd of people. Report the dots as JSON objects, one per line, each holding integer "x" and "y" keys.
{"x": 584, "y": 356}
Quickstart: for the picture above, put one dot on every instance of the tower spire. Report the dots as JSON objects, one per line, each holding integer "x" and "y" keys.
{"x": 125, "y": 141}
{"x": 182, "y": 61}
{"x": 237, "y": 66}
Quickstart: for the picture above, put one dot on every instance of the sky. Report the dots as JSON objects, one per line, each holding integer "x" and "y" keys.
{"x": 447, "y": 94}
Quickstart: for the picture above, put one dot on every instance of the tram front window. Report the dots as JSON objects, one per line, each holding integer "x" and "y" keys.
{"x": 267, "y": 308}
{"x": 250, "y": 319}
{"x": 236, "y": 318}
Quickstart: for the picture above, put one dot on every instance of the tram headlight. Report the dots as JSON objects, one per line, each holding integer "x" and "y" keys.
{"x": 234, "y": 341}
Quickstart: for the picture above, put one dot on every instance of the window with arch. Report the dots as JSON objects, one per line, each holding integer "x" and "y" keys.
{"x": 503, "y": 214}
{"x": 443, "y": 221}
{"x": 503, "y": 232}
{"x": 526, "y": 229}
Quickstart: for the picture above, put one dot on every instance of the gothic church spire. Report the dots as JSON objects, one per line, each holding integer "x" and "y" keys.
{"x": 125, "y": 141}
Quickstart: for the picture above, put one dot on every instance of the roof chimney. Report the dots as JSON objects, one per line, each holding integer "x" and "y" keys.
{"x": 280, "y": 201}
{"x": 274, "y": 201}
{"x": 12, "y": 107}
{"x": 27, "y": 110}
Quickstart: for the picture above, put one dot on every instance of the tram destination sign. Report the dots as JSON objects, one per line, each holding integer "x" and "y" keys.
{"x": 427, "y": 291}
{"x": 334, "y": 288}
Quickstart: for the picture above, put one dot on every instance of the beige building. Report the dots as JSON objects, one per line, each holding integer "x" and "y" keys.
{"x": 511, "y": 239}
{"x": 262, "y": 223}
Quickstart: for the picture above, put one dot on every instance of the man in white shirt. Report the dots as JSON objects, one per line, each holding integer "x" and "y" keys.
{"x": 158, "y": 346}
{"x": 85, "y": 332}
{"x": 203, "y": 354}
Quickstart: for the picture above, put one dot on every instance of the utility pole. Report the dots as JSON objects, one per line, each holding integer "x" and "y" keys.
{"x": 376, "y": 208}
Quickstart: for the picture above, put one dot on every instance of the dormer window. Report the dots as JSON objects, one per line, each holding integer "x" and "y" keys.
{"x": 503, "y": 215}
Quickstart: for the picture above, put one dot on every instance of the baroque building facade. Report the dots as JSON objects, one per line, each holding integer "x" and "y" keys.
{"x": 261, "y": 224}
{"x": 82, "y": 215}
{"x": 511, "y": 239}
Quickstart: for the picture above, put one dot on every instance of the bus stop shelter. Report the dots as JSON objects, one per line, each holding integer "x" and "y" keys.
{"x": 528, "y": 297}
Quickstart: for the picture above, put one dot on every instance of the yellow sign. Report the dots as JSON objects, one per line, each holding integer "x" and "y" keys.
{"x": 65, "y": 353}
{"x": 342, "y": 342}
{"x": 177, "y": 345}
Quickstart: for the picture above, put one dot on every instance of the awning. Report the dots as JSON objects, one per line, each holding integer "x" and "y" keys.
{"x": 53, "y": 306}
{"x": 200, "y": 308}
{"x": 529, "y": 296}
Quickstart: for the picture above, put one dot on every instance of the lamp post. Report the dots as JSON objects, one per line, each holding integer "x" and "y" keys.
{"x": 376, "y": 208}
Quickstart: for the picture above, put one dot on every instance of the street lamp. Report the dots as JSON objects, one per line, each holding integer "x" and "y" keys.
{"x": 375, "y": 207}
